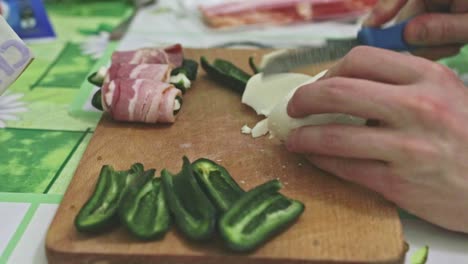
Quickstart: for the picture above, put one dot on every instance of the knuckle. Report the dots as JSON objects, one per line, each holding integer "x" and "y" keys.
{"x": 441, "y": 70}
{"x": 446, "y": 31}
{"x": 334, "y": 87}
{"x": 357, "y": 53}
{"x": 416, "y": 150}
{"x": 426, "y": 107}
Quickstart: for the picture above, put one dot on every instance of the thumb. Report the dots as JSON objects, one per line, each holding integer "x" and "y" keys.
{"x": 383, "y": 12}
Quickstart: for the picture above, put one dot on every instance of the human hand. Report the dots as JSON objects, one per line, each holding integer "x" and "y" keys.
{"x": 417, "y": 155}
{"x": 439, "y": 26}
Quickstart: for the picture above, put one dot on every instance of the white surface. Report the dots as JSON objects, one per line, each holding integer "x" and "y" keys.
{"x": 11, "y": 215}
{"x": 31, "y": 247}
{"x": 444, "y": 246}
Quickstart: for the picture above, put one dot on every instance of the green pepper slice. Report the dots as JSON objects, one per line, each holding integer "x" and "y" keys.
{"x": 100, "y": 211}
{"x": 257, "y": 216}
{"x": 217, "y": 183}
{"x": 96, "y": 79}
{"x": 188, "y": 67}
{"x": 226, "y": 73}
{"x": 193, "y": 212}
{"x": 253, "y": 66}
{"x": 144, "y": 211}
{"x": 96, "y": 101}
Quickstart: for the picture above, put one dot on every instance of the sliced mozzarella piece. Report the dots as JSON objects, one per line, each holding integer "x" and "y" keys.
{"x": 260, "y": 129}
{"x": 262, "y": 94}
{"x": 280, "y": 123}
{"x": 246, "y": 130}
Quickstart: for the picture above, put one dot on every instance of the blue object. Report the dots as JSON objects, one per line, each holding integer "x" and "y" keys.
{"x": 391, "y": 38}
{"x": 29, "y": 19}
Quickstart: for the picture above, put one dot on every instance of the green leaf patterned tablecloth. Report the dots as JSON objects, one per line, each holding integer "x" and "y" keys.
{"x": 40, "y": 142}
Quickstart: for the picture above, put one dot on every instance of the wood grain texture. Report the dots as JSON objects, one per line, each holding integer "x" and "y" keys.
{"x": 342, "y": 223}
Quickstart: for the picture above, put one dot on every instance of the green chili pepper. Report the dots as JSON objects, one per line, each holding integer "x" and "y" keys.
{"x": 100, "y": 211}
{"x": 96, "y": 100}
{"x": 188, "y": 67}
{"x": 193, "y": 212}
{"x": 96, "y": 79}
{"x": 253, "y": 66}
{"x": 144, "y": 211}
{"x": 226, "y": 73}
{"x": 217, "y": 183}
{"x": 257, "y": 216}
{"x": 181, "y": 86}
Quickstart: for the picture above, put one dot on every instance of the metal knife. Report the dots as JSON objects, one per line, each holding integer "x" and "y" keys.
{"x": 285, "y": 60}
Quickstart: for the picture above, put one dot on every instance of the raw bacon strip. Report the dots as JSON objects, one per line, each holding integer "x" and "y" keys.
{"x": 240, "y": 13}
{"x": 167, "y": 106}
{"x": 136, "y": 88}
{"x": 176, "y": 54}
{"x": 151, "y": 111}
{"x": 156, "y": 72}
{"x": 140, "y": 100}
{"x": 125, "y": 99}
{"x": 144, "y": 55}
{"x": 172, "y": 55}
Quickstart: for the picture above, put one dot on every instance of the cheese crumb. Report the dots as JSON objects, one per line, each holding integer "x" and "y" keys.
{"x": 246, "y": 130}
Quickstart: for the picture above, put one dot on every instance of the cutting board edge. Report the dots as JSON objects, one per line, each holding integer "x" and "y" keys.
{"x": 60, "y": 256}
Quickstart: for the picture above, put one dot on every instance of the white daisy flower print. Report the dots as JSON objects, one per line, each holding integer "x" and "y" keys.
{"x": 10, "y": 105}
{"x": 95, "y": 46}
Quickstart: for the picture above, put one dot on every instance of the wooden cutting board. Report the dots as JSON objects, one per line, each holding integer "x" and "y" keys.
{"x": 342, "y": 222}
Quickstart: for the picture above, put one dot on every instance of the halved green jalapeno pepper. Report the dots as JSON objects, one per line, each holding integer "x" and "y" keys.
{"x": 193, "y": 212}
{"x": 253, "y": 66}
{"x": 226, "y": 73}
{"x": 257, "y": 216}
{"x": 100, "y": 210}
{"x": 144, "y": 211}
{"x": 217, "y": 183}
{"x": 188, "y": 67}
{"x": 96, "y": 101}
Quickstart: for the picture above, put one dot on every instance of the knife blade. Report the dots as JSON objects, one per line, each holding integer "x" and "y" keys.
{"x": 285, "y": 60}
